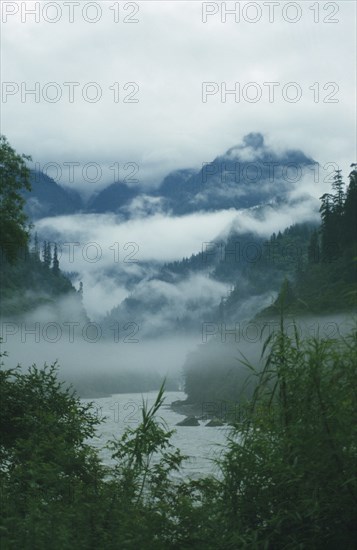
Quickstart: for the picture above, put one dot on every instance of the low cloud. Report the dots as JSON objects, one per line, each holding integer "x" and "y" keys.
{"x": 110, "y": 255}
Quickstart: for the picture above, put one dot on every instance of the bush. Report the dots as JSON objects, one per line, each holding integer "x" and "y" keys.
{"x": 288, "y": 474}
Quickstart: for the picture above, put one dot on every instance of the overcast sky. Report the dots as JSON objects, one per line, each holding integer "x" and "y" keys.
{"x": 169, "y": 53}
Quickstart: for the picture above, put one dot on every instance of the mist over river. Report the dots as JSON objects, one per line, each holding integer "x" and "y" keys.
{"x": 200, "y": 443}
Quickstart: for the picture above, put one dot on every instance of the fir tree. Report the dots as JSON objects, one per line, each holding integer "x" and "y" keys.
{"x": 47, "y": 254}
{"x": 350, "y": 208}
{"x": 55, "y": 262}
{"x": 328, "y": 235}
{"x": 36, "y": 246}
{"x": 44, "y": 252}
{"x": 35, "y": 251}
{"x": 339, "y": 196}
{"x": 313, "y": 251}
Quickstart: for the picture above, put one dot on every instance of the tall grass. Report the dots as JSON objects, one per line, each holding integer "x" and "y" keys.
{"x": 290, "y": 477}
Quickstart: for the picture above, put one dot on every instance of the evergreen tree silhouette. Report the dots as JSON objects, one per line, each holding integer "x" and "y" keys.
{"x": 350, "y": 208}
{"x": 55, "y": 262}
{"x": 313, "y": 251}
{"x": 47, "y": 254}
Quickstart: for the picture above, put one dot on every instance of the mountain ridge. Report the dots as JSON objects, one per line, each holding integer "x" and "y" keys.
{"x": 246, "y": 175}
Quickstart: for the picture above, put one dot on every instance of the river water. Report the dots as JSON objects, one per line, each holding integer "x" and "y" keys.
{"x": 200, "y": 443}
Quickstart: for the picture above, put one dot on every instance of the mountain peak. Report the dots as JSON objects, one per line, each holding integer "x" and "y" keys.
{"x": 252, "y": 141}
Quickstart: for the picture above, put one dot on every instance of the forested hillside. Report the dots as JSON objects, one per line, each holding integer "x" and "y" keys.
{"x": 30, "y": 274}
{"x": 326, "y": 281}
{"x": 289, "y": 461}
{"x": 34, "y": 279}
{"x": 316, "y": 270}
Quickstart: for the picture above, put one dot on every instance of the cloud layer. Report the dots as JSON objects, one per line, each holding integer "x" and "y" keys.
{"x": 169, "y": 53}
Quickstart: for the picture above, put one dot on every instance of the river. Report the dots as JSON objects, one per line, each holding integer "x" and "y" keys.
{"x": 200, "y": 443}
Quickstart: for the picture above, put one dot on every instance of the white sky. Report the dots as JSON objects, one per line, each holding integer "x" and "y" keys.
{"x": 169, "y": 53}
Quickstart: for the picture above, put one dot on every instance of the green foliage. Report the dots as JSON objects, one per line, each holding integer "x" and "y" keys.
{"x": 47, "y": 254}
{"x": 24, "y": 281}
{"x": 55, "y": 266}
{"x": 142, "y": 478}
{"x": 288, "y": 473}
{"x": 28, "y": 283}
{"x": 282, "y": 256}
{"x": 136, "y": 448}
{"x": 338, "y": 217}
{"x": 350, "y": 208}
{"x": 327, "y": 282}
{"x": 313, "y": 253}
{"x": 44, "y": 455}
{"x": 14, "y": 177}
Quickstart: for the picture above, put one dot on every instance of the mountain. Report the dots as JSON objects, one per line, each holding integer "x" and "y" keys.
{"x": 176, "y": 185}
{"x": 233, "y": 279}
{"x": 47, "y": 198}
{"x": 112, "y": 198}
{"x": 245, "y": 176}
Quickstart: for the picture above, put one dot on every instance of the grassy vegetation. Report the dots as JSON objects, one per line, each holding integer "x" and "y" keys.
{"x": 288, "y": 470}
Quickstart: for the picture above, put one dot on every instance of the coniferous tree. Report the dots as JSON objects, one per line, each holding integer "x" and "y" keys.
{"x": 55, "y": 262}
{"x": 14, "y": 178}
{"x": 338, "y": 207}
{"x": 339, "y": 215}
{"x": 36, "y": 247}
{"x": 44, "y": 252}
{"x": 339, "y": 196}
{"x": 328, "y": 235}
{"x": 299, "y": 270}
{"x": 286, "y": 295}
{"x": 47, "y": 254}
{"x": 313, "y": 251}
{"x": 350, "y": 208}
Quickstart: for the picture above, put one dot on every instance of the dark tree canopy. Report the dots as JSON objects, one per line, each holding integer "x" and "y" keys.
{"x": 14, "y": 177}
